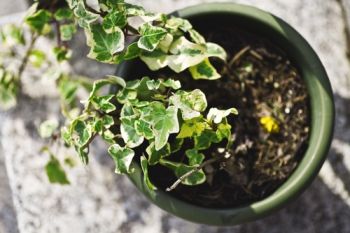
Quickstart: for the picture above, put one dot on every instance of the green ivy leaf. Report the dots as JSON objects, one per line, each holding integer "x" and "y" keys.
{"x": 155, "y": 155}
{"x": 176, "y": 144}
{"x": 67, "y": 89}
{"x": 190, "y": 103}
{"x": 85, "y": 17}
{"x": 62, "y": 53}
{"x": 122, "y": 157}
{"x": 64, "y": 14}
{"x": 47, "y": 128}
{"x": 146, "y": 180}
{"x": 204, "y": 70}
{"x": 132, "y": 51}
{"x": 216, "y": 115}
{"x": 194, "y": 157}
{"x": 205, "y": 139}
{"x": 105, "y": 45}
{"x": 114, "y": 20}
{"x": 39, "y": 20}
{"x": 67, "y": 31}
{"x": 150, "y": 36}
{"x": 55, "y": 172}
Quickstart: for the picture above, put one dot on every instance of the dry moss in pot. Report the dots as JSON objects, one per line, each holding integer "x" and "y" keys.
{"x": 281, "y": 134}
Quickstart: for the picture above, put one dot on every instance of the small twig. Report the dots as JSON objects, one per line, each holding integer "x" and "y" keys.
{"x": 26, "y": 56}
{"x": 189, "y": 173}
{"x": 256, "y": 54}
{"x": 238, "y": 55}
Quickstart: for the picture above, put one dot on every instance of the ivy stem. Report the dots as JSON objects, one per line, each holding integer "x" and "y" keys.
{"x": 26, "y": 56}
{"x": 189, "y": 173}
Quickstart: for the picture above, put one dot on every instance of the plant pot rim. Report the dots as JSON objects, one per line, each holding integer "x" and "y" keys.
{"x": 322, "y": 124}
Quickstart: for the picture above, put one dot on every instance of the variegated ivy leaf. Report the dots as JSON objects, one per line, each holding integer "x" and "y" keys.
{"x": 164, "y": 122}
{"x": 85, "y": 17}
{"x": 114, "y": 20}
{"x": 129, "y": 115}
{"x": 150, "y": 17}
{"x": 134, "y": 10}
{"x": 173, "y": 84}
{"x": 47, "y": 128}
{"x": 115, "y": 80}
{"x": 146, "y": 180}
{"x": 193, "y": 127}
{"x": 215, "y": 50}
{"x": 122, "y": 157}
{"x": 144, "y": 128}
{"x": 104, "y": 45}
{"x": 129, "y": 134}
{"x": 196, "y": 37}
{"x": 224, "y": 131}
{"x": 155, "y": 60}
{"x": 190, "y": 103}
{"x": 36, "y": 57}
{"x": 186, "y": 54}
{"x": 175, "y": 24}
{"x": 217, "y": 115}
{"x": 67, "y": 31}
{"x": 103, "y": 103}
{"x": 164, "y": 44}
{"x": 81, "y": 132}
{"x": 194, "y": 157}
{"x": 204, "y": 70}
{"x": 107, "y": 5}
{"x": 62, "y": 53}
{"x": 8, "y": 89}
{"x": 73, "y": 3}
{"x": 155, "y": 155}
{"x": 151, "y": 36}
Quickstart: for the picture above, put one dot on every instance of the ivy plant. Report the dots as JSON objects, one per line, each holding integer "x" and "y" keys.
{"x": 146, "y": 120}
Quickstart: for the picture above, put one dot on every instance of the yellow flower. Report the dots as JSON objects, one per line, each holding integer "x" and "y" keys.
{"x": 270, "y": 124}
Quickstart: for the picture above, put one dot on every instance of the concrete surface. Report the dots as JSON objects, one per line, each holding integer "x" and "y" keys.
{"x": 99, "y": 201}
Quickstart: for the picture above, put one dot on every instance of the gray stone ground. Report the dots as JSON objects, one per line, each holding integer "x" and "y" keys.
{"x": 99, "y": 201}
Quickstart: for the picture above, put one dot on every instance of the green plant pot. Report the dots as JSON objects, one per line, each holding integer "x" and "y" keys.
{"x": 321, "y": 103}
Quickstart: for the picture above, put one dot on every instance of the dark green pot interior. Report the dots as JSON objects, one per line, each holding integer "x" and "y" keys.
{"x": 321, "y": 102}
